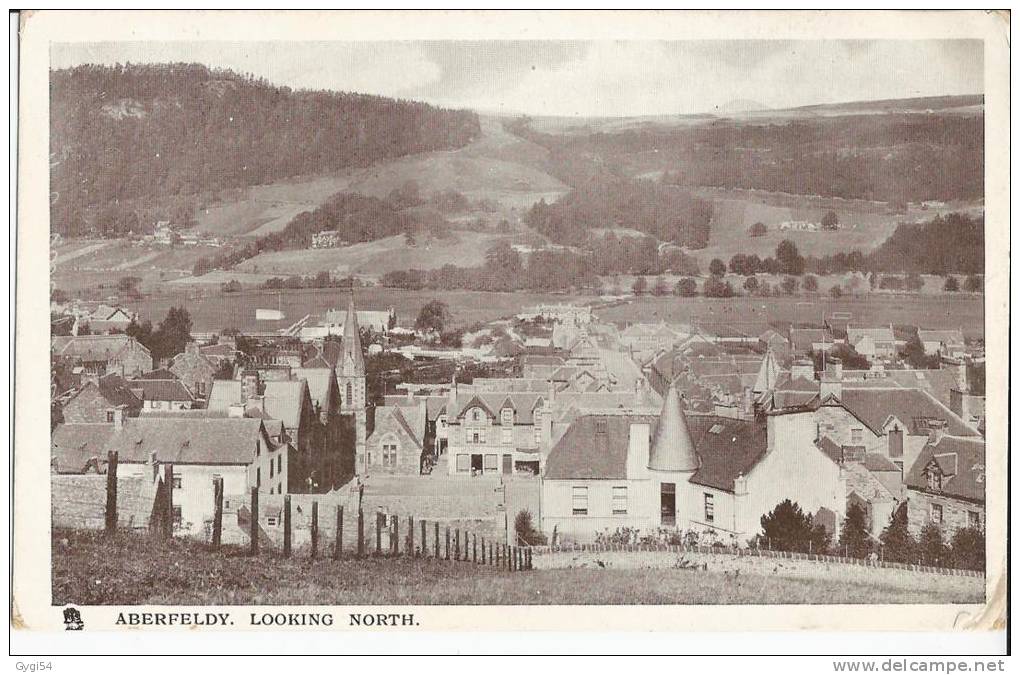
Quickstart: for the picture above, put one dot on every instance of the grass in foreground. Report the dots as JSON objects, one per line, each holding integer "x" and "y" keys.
{"x": 132, "y": 569}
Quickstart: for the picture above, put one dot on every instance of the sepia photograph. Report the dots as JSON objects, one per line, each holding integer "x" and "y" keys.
{"x": 512, "y": 322}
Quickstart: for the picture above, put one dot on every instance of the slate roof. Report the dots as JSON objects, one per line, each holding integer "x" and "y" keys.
{"x": 804, "y": 338}
{"x": 283, "y": 400}
{"x": 874, "y": 406}
{"x": 951, "y": 336}
{"x": 187, "y": 440}
{"x": 727, "y": 448}
{"x": 831, "y": 448}
{"x": 223, "y": 394}
{"x": 583, "y": 453}
{"x": 73, "y": 445}
{"x": 161, "y": 390}
{"x": 523, "y": 404}
{"x": 876, "y": 462}
{"x": 318, "y": 383}
{"x": 962, "y": 461}
{"x": 96, "y": 347}
{"x": 855, "y": 335}
{"x": 399, "y": 415}
{"x": 158, "y": 374}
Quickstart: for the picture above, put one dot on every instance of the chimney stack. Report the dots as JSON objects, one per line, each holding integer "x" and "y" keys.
{"x": 118, "y": 417}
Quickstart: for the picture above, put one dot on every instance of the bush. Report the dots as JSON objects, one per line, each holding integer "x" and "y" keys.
{"x": 836, "y": 292}
{"x": 751, "y": 284}
{"x": 810, "y": 283}
{"x": 973, "y": 284}
{"x": 717, "y": 268}
{"x": 968, "y": 549}
{"x": 525, "y": 529}
{"x": 951, "y": 285}
{"x": 855, "y": 540}
{"x": 788, "y": 528}
{"x": 232, "y": 286}
{"x": 686, "y": 288}
{"x": 932, "y": 547}
{"x": 789, "y": 285}
{"x": 830, "y": 221}
{"x": 897, "y": 543}
{"x": 758, "y": 230}
{"x": 717, "y": 288}
{"x": 639, "y": 286}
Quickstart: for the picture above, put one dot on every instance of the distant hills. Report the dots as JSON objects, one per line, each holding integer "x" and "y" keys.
{"x": 132, "y": 144}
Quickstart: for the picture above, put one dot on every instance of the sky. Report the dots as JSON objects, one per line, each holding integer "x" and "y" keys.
{"x": 587, "y": 79}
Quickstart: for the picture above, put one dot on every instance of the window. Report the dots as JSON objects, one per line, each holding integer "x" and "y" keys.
{"x": 936, "y": 514}
{"x": 477, "y": 437}
{"x": 620, "y": 501}
{"x": 709, "y": 507}
{"x": 974, "y": 519}
{"x": 476, "y": 415}
{"x": 463, "y": 463}
{"x": 368, "y": 458}
{"x": 934, "y": 477}
{"x": 350, "y": 394}
{"x": 200, "y": 387}
{"x": 258, "y": 476}
{"x": 271, "y": 520}
{"x": 857, "y": 436}
{"x": 389, "y": 454}
{"x": 109, "y": 415}
{"x": 507, "y": 416}
{"x": 258, "y": 448}
{"x": 600, "y": 425}
{"x": 491, "y": 463}
{"x": 177, "y": 481}
{"x": 178, "y": 517}
{"x": 279, "y": 463}
{"x": 579, "y": 501}
{"x": 272, "y": 468}
{"x": 507, "y": 435}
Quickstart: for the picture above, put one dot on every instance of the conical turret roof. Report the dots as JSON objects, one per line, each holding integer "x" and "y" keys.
{"x": 673, "y": 446}
{"x": 768, "y": 374}
{"x": 352, "y": 363}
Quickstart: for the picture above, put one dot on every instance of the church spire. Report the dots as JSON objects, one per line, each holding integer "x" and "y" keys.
{"x": 352, "y": 362}
{"x": 672, "y": 447}
{"x": 768, "y": 374}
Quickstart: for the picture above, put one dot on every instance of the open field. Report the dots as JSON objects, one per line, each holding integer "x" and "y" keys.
{"x": 497, "y": 166}
{"x": 213, "y": 310}
{"x": 375, "y": 258}
{"x": 863, "y": 225}
{"x": 133, "y": 569}
{"x": 965, "y": 311}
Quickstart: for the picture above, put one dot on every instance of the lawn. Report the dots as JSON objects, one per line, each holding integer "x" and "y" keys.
{"x": 133, "y": 569}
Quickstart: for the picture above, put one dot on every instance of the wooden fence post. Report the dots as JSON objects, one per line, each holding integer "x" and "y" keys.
{"x": 217, "y": 523}
{"x": 531, "y": 564}
{"x": 395, "y": 537}
{"x": 168, "y": 523}
{"x": 254, "y": 521}
{"x": 437, "y": 541}
{"x": 483, "y": 550}
{"x": 286, "y": 526}
{"x": 111, "y": 491}
{"x": 474, "y": 548}
{"x": 447, "y": 543}
{"x": 456, "y": 545}
{"x": 410, "y": 537}
{"x": 424, "y": 551}
{"x": 378, "y": 533}
{"x": 361, "y": 533}
{"x": 492, "y": 560}
{"x": 338, "y": 545}
{"x": 315, "y": 529}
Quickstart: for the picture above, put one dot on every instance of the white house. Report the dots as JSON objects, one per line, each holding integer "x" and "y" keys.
{"x": 701, "y": 473}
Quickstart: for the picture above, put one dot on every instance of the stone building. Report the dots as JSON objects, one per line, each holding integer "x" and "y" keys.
{"x": 946, "y": 485}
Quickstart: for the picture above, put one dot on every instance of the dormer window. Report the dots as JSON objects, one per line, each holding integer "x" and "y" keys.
{"x": 507, "y": 416}
{"x": 600, "y": 425}
{"x": 934, "y": 477}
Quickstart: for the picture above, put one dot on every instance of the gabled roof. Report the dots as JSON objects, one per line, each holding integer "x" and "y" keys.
{"x": 594, "y": 447}
{"x": 97, "y": 347}
{"x": 223, "y": 394}
{"x": 873, "y": 406}
{"x": 398, "y": 415}
{"x": 114, "y": 389}
{"x": 880, "y": 334}
{"x": 727, "y": 449}
{"x": 962, "y": 462}
{"x": 158, "y": 374}
{"x": 283, "y": 400}
{"x": 319, "y": 380}
{"x": 876, "y": 462}
{"x": 831, "y": 448}
{"x": 73, "y": 445}
{"x": 188, "y": 440}
{"x": 161, "y": 390}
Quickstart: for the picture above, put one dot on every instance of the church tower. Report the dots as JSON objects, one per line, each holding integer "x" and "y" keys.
{"x": 350, "y": 377}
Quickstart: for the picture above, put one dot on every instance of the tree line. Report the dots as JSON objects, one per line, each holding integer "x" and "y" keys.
{"x": 126, "y": 137}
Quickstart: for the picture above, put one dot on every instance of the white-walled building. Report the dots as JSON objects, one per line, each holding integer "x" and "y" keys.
{"x": 702, "y": 473}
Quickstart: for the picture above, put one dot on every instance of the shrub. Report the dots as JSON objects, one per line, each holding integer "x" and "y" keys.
{"x": 717, "y": 288}
{"x": 525, "y": 529}
{"x": 717, "y": 268}
{"x": 855, "y": 540}
{"x": 789, "y": 285}
{"x": 973, "y": 284}
{"x": 758, "y": 230}
{"x": 686, "y": 288}
{"x": 640, "y": 286}
{"x": 810, "y": 283}
{"x": 951, "y": 285}
{"x": 932, "y": 547}
{"x": 232, "y": 286}
{"x": 751, "y": 284}
{"x": 836, "y": 292}
{"x": 968, "y": 549}
{"x": 897, "y": 543}
{"x": 788, "y": 528}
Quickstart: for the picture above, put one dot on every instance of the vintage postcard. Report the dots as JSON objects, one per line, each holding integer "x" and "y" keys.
{"x": 461, "y": 320}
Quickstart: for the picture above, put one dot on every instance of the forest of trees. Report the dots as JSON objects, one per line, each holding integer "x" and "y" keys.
{"x": 895, "y": 157}
{"x": 127, "y": 138}
{"x": 610, "y": 201}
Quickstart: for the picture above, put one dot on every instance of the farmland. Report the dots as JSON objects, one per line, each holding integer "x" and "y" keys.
{"x": 374, "y": 258}
{"x": 214, "y": 310}
{"x": 137, "y": 570}
{"x": 497, "y": 166}
{"x": 863, "y": 225}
